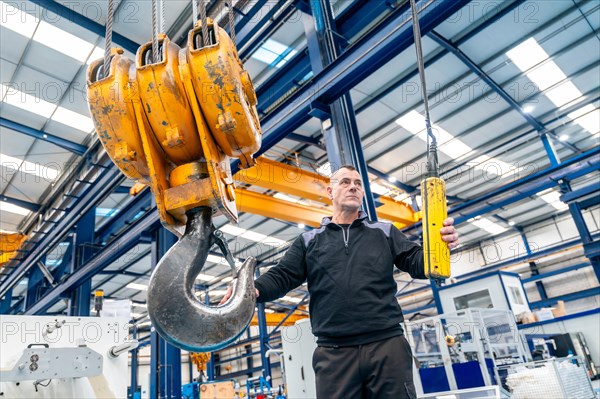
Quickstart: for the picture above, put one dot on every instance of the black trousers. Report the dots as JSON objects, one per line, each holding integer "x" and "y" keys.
{"x": 378, "y": 370}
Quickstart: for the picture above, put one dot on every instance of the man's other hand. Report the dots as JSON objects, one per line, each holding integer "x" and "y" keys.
{"x": 228, "y": 295}
{"x": 449, "y": 233}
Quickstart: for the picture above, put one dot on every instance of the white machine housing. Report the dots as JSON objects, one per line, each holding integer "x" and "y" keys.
{"x": 299, "y": 344}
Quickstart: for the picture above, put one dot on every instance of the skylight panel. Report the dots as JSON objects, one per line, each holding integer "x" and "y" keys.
{"x": 379, "y": 189}
{"x": 73, "y": 119}
{"x": 16, "y": 20}
{"x": 253, "y": 236}
{"x": 527, "y": 54}
{"x": 546, "y": 75}
{"x": 105, "y": 212}
{"x": 455, "y": 148}
{"x": 27, "y": 102}
{"x": 587, "y": 117}
{"x": 139, "y": 287}
{"x": 563, "y": 94}
{"x": 12, "y": 208}
{"x": 36, "y": 169}
{"x": 553, "y": 198}
{"x": 487, "y": 225}
{"x": 204, "y": 277}
{"x": 272, "y": 51}
{"x": 62, "y": 41}
{"x": 233, "y": 230}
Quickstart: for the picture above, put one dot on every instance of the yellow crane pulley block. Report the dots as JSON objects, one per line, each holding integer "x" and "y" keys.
{"x": 111, "y": 100}
{"x": 436, "y": 251}
{"x": 165, "y": 103}
{"x": 224, "y": 91}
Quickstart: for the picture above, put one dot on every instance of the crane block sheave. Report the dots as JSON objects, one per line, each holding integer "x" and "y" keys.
{"x": 172, "y": 119}
{"x": 173, "y": 124}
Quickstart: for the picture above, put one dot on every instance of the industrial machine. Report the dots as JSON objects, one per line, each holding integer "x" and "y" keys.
{"x": 463, "y": 349}
{"x": 172, "y": 119}
{"x": 299, "y": 343}
{"x": 46, "y": 357}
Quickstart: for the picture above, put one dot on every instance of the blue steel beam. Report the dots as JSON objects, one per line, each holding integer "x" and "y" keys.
{"x": 353, "y": 66}
{"x": 496, "y": 88}
{"x": 87, "y": 23}
{"x": 108, "y": 180}
{"x": 555, "y": 272}
{"x": 80, "y": 302}
{"x": 50, "y": 138}
{"x": 111, "y": 252}
{"x": 579, "y": 193}
{"x": 141, "y": 203}
{"x": 246, "y": 33}
{"x": 566, "y": 298}
{"x": 23, "y": 204}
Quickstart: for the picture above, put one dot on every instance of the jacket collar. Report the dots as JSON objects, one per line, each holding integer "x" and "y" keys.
{"x": 327, "y": 219}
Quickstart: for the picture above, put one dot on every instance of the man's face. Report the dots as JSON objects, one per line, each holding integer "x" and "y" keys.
{"x": 346, "y": 190}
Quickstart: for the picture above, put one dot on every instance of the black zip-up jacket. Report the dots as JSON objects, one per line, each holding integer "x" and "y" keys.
{"x": 349, "y": 270}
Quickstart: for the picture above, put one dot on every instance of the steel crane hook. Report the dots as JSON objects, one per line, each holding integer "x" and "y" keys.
{"x": 176, "y": 313}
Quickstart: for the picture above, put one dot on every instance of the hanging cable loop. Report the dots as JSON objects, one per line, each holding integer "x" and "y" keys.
{"x": 108, "y": 43}
{"x": 203, "y": 20}
{"x": 231, "y": 22}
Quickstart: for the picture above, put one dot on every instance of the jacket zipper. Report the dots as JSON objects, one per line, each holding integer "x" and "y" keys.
{"x": 346, "y": 238}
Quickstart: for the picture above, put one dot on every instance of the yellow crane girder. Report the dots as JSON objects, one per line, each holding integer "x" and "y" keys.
{"x": 9, "y": 244}
{"x": 273, "y": 319}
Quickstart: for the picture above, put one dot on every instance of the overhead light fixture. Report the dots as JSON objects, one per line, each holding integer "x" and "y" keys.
{"x": 12, "y": 208}
{"x": 528, "y": 109}
{"x": 301, "y": 226}
{"x": 73, "y": 119}
{"x": 511, "y": 223}
{"x": 488, "y": 225}
{"x": 325, "y": 169}
{"x": 563, "y": 137}
{"x": 15, "y": 97}
{"x": 62, "y": 41}
{"x": 16, "y": 20}
{"x": 392, "y": 179}
{"x": 529, "y": 54}
{"x": 32, "y": 168}
{"x": 553, "y": 198}
{"x": 139, "y": 287}
{"x": 588, "y": 117}
{"x": 251, "y": 235}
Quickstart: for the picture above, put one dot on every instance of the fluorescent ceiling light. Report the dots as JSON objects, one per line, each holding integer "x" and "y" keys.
{"x": 379, "y": 189}
{"x": 269, "y": 311}
{"x": 139, "y": 305}
{"x": 62, "y": 41}
{"x": 253, "y": 236}
{"x": 27, "y": 102}
{"x": 205, "y": 277}
{"x": 392, "y": 179}
{"x": 301, "y": 226}
{"x": 528, "y": 108}
{"x": 36, "y": 169}
{"x": 530, "y": 53}
{"x": 455, "y": 148}
{"x": 12, "y": 208}
{"x": 73, "y": 119}
{"x": 291, "y": 299}
{"x": 232, "y": 230}
{"x": 546, "y": 75}
{"x": 285, "y": 197}
{"x": 104, "y": 212}
{"x": 325, "y": 169}
{"x": 272, "y": 51}
{"x": 553, "y": 198}
{"x": 588, "y": 118}
{"x": 563, "y": 94}
{"x": 135, "y": 286}
{"x": 96, "y": 55}
{"x": 488, "y": 225}
{"x": 220, "y": 259}
{"x": 563, "y": 137}
{"x": 527, "y": 54}
{"x": 16, "y": 20}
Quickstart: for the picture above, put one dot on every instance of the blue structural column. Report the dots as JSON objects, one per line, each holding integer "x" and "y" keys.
{"x": 134, "y": 367}
{"x": 590, "y": 247}
{"x": 342, "y": 139}
{"x": 6, "y": 302}
{"x": 533, "y": 266}
{"x": 84, "y": 239}
{"x": 35, "y": 282}
{"x": 210, "y": 366}
{"x": 263, "y": 338}
{"x": 165, "y": 359}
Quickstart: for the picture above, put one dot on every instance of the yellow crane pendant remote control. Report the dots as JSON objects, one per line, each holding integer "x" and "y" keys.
{"x": 436, "y": 251}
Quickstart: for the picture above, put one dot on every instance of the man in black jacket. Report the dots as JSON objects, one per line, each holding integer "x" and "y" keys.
{"x": 348, "y": 264}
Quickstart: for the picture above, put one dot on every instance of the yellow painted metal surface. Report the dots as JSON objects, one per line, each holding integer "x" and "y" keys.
{"x": 436, "y": 251}
{"x": 290, "y": 179}
{"x": 225, "y": 93}
{"x": 111, "y": 103}
{"x": 270, "y": 207}
{"x": 9, "y": 244}
{"x": 273, "y": 319}
{"x": 165, "y": 103}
